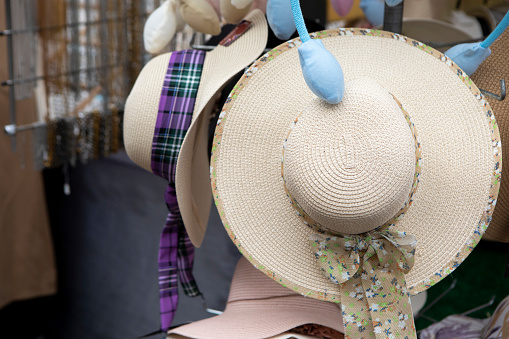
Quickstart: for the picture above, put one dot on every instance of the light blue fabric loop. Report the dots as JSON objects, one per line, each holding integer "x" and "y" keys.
{"x": 373, "y": 11}
{"x": 299, "y": 21}
{"x": 501, "y": 27}
{"x": 468, "y": 56}
{"x": 393, "y": 3}
{"x": 322, "y": 71}
{"x": 280, "y": 18}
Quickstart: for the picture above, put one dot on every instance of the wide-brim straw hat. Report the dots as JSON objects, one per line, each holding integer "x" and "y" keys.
{"x": 346, "y": 172}
{"x": 192, "y": 174}
{"x": 487, "y": 77}
{"x": 259, "y": 307}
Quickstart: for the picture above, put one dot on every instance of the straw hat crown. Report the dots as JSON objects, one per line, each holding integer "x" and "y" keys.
{"x": 351, "y": 166}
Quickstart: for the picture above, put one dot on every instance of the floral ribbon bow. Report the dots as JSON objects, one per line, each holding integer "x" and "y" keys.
{"x": 370, "y": 271}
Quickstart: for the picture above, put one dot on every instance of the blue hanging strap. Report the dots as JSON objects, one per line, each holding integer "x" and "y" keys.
{"x": 321, "y": 70}
{"x": 470, "y": 56}
{"x": 501, "y": 27}
{"x": 299, "y": 21}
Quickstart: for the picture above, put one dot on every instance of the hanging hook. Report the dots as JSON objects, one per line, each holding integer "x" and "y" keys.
{"x": 13, "y": 129}
{"x": 489, "y": 303}
{"x": 449, "y": 289}
{"x": 207, "y": 309}
{"x": 496, "y": 96}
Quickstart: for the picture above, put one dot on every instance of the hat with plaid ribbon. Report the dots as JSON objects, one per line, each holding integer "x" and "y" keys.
{"x": 165, "y": 131}
{"x": 141, "y": 112}
{"x": 368, "y": 201}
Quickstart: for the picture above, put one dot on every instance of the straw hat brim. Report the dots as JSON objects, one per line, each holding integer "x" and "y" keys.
{"x": 461, "y": 157}
{"x": 258, "y": 307}
{"x": 192, "y": 174}
{"x": 140, "y": 112}
{"x": 286, "y": 335}
{"x": 264, "y": 318}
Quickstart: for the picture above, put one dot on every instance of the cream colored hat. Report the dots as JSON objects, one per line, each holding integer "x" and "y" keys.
{"x": 488, "y": 77}
{"x": 192, "y": 183}
{"x": 411, "y": 156}
{"x": 258, "y": 307}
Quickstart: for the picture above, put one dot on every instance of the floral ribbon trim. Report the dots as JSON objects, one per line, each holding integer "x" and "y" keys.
{"x": 371, "y": 272}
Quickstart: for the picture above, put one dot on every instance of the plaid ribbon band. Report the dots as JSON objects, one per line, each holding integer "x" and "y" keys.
{"x": 176, "y": 253}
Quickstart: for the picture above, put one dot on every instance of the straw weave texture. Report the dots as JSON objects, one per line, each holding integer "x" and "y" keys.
{"x": 141, "y": 110}
{"x": 258, "y": 307}
{"x": 192, "y": 176}
{"x": 488, "y": 77}
{"x": 360, "y": 175}
{"x": 452, "y": 201}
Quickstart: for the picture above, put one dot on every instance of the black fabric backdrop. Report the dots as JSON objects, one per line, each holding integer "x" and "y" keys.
{"x": 107, "y": 235}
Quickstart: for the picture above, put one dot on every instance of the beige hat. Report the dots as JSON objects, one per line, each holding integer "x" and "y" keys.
{"x": 488, "y": 77}
{"x": 443, "y": 34}
{"x": 192, "y": 175}
{"x": 436, "y": 21}
{"x": 287, "y": 335}
{"x": 412, "y": 153}
{"x": 258, "y": 307}
{"x": 428, "y": 9}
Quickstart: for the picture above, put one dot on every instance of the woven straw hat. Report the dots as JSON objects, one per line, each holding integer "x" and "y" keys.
{"x": 412, "y": 149}
{"x": 488, "y": 77}
{"x": 192, "y": 183}
{"x": 258, "y": 307}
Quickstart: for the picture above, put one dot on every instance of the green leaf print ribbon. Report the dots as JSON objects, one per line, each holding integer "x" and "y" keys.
{"x": 371, "y": 273}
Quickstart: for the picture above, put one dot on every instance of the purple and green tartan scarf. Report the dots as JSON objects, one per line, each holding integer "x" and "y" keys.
{"x": 176, "y": 253}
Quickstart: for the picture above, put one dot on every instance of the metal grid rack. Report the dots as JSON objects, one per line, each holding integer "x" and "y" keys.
{"x": 78, "y": 59}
